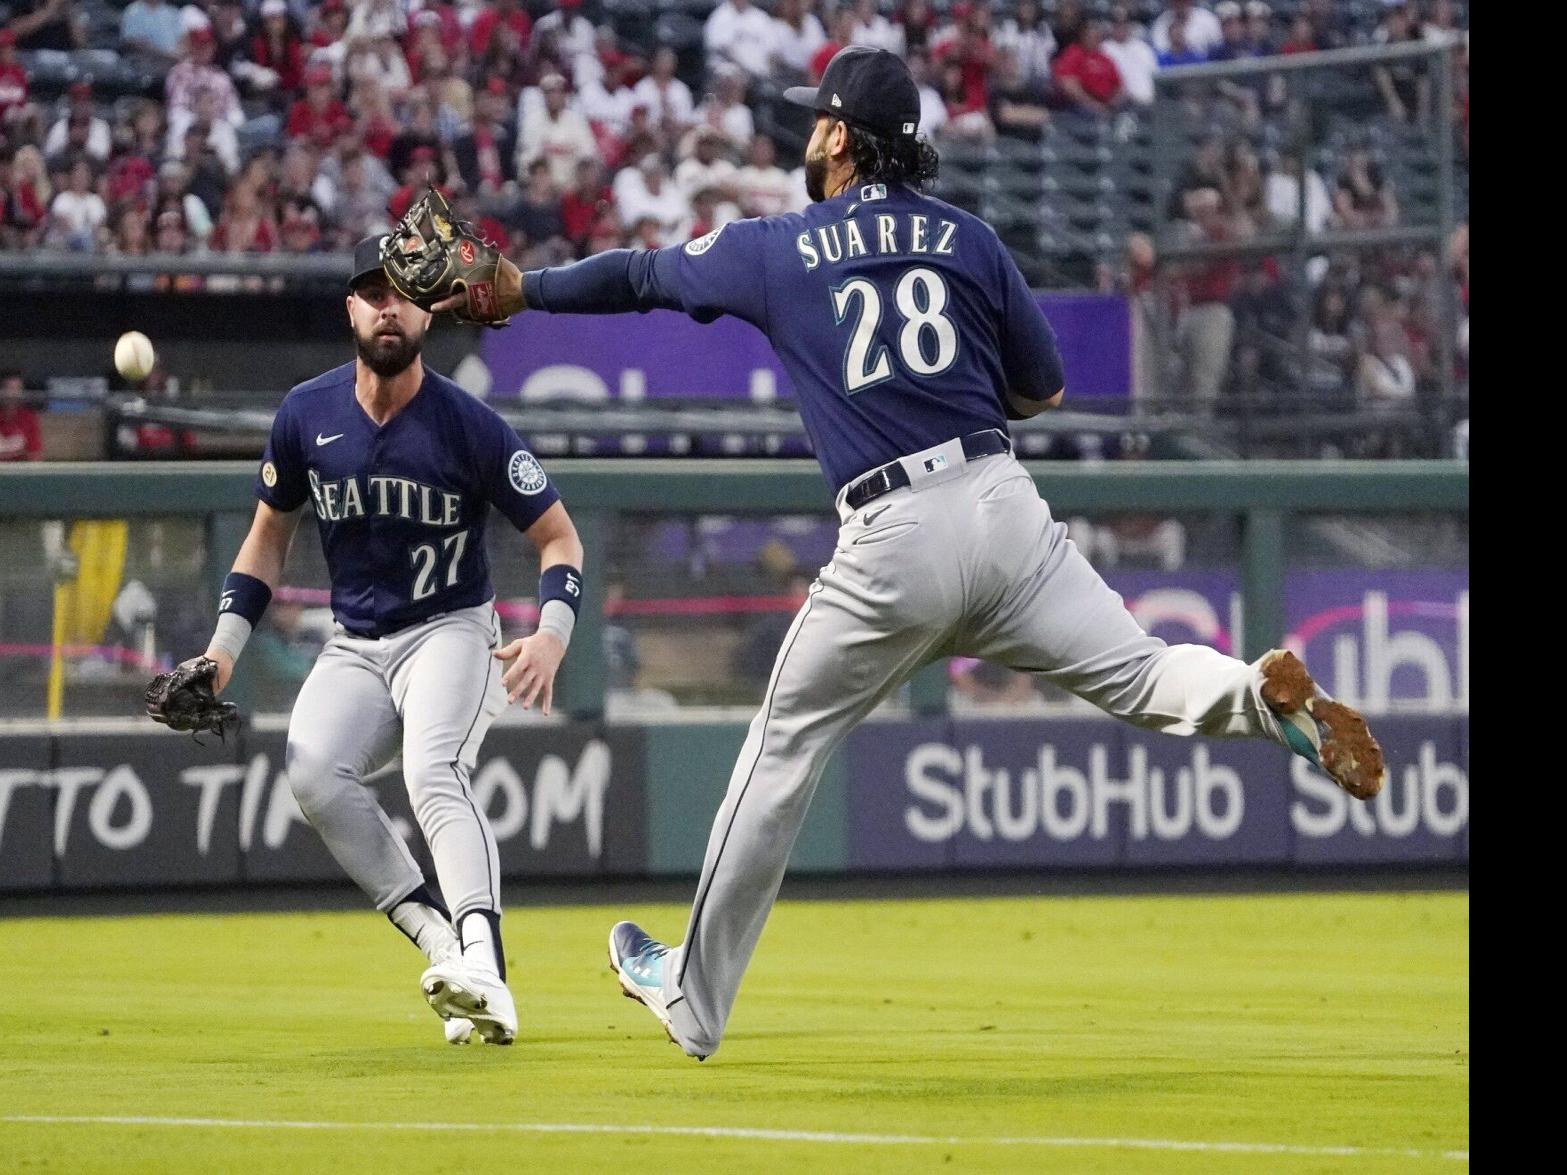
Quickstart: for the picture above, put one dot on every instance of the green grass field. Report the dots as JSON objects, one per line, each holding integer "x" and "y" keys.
{"x": 1214, "y": 1034}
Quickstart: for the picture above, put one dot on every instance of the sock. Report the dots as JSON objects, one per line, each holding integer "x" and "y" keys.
{"x": 480, "y": 934}
{"x": 423, "y": 918}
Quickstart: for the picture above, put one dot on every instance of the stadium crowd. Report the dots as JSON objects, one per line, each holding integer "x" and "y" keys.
{"x": 285, "y": 126}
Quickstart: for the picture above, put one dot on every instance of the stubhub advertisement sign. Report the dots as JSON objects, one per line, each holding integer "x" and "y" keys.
{"x": 1084, "y": 791}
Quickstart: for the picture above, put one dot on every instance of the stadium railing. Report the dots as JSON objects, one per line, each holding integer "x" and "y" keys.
{"x": 1267, "y": 501}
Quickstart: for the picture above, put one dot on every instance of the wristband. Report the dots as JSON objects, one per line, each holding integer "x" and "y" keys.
{"x": 230, "y": 635}
{"x": 561, "y": 582}
{"x": 244, "y": 596}
{"x": 557, "y": 618}
{"x": 560, "y": 595}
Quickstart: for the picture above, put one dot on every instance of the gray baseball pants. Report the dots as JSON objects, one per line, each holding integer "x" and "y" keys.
{"x": 965, "y": 561}
{"x": 431, "y": 691}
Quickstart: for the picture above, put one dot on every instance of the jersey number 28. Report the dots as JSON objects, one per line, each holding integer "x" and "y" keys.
{"x": 927, "y": 344}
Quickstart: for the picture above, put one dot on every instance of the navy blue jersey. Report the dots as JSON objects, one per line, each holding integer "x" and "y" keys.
{"x": 402, "y": 506}
{"x": 902, "y": 321}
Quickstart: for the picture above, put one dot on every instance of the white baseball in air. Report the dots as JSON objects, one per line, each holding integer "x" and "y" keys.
{"x": 134, "y": 356}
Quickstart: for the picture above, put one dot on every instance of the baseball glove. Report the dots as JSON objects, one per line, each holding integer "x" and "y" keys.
{"x": 183, "y": 699}
{"x": 431, "y": 255}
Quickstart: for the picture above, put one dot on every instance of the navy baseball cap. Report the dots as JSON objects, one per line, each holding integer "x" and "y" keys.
{"x": 868, "y": 87}
{"x": 367, "y": 260}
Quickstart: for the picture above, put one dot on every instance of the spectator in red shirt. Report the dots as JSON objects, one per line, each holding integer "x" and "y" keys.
{"x": 971, "y": 49}
{"x": 588, "y": 199}
{"x": 19, "y": 436}
{"x": 13, "y": 78}
{"x": 447, "y": 22}
{"x": 277, "y": 46}
{"x": 1300, "y": 39}
{"x": 918, "y": 19}
{"x": 1086, "y": 77}
{"x": 839, "y": 32}
{"x": 424, "y": 171}
{"x": 319, "y": 116}
{"x": 331, "y": 24}
{"x": 1205, "y": 328}
{"x": 377, "y": 126}
{"x": 24, "y": 198}
{"x": 246, "y": 225}
{"x": 507, "y": 12}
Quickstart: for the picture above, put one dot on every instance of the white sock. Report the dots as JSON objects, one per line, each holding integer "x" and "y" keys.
{"x": 427, "y": 927}
{"x": 479, "y": 931}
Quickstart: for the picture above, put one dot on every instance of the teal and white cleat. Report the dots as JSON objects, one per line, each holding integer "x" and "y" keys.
{"x": 1329, "y": 734}
{"x": 457, "y": 990}
{"x": 638, "y": 962}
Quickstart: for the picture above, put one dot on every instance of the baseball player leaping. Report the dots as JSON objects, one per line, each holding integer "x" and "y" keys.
{"x": 911, "y": 339}
{"x": 401, "y": 467}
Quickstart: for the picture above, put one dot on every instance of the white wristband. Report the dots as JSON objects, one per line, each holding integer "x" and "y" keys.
{"x": 557, "y": 617}
{"x": 230, "y": 635}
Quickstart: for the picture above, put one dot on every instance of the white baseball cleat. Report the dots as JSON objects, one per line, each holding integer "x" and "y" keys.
{"x": 458, "y": 990}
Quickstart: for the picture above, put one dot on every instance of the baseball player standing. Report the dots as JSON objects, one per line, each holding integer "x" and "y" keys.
{"x": 911, "y": 339}
{"x": 401, "y": 467}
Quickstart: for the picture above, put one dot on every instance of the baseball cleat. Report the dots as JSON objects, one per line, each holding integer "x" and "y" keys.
{"x": 1329, "y": 734}
{"x": 457, "y": 990}
{"x": 637, "y": 959}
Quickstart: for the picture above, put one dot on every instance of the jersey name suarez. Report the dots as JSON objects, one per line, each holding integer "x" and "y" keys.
{"x": 401, "y": 507}
{"x": 902, "y": 321}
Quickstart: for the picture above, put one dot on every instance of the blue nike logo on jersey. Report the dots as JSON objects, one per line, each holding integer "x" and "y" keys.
{"x": 321, "y": 440}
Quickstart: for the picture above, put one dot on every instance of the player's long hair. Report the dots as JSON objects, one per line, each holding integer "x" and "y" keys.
{"x": 879, "y": 159}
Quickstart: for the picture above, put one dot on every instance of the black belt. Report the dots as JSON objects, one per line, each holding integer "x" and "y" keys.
{"x": 893, "y": 476}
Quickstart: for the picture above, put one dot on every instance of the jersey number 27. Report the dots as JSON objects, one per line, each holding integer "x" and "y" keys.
{"x": 927, "y": 343}
{"x": 426, "y": 557}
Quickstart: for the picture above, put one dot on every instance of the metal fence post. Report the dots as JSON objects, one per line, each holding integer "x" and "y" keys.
{"x": 928, "y": 689}
{"x": 582, "y": 688}
{"x": 1262, "y": 581}
{"x": 225, "y": 533}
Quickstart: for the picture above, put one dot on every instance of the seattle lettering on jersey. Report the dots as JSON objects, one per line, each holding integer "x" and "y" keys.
{"x": 384, "y": 496}
{"x": 891, "y": 234}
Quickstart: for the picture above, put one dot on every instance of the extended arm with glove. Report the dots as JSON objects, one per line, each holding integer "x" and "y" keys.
{"x": 431, "y": 257}
{"x": 184, "y": 699}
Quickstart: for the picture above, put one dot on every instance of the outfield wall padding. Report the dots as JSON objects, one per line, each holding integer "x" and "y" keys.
{"x": 150, "y": 808}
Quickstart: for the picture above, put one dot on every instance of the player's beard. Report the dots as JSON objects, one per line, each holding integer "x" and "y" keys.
{"x": 388, "y": 356}
{"x": 816, "y": 177}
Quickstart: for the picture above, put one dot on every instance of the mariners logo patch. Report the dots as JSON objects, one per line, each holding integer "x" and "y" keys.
{"x": 527, "y": 475}
{"x": 702, "y": 244}
{"x": 268, "y": 474}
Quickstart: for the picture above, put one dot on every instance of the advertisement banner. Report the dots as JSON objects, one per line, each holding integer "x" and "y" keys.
{"x": 1384, "y": 641}
{"x": 649, "y": 356}
{"x": 153, "y": 808}
{"x": 27, "y": 794}
{"x": 1014, "y": 793}
{"x": 148, "y": 809}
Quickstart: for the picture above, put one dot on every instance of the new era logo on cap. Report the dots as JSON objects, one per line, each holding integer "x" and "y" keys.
{"x": 870, "y": 88}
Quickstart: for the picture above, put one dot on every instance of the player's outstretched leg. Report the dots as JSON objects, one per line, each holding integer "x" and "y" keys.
{"x": 447, "y": 689}
{"x": 865, "y": 627}
{"x": 1052, "y": 614}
